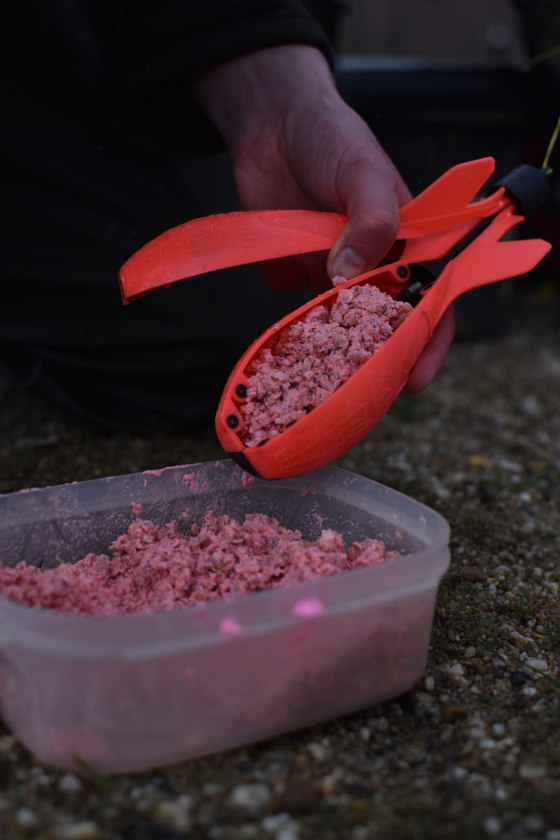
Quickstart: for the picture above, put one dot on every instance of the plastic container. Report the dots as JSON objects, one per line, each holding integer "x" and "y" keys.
{"x": 134, "y": 692}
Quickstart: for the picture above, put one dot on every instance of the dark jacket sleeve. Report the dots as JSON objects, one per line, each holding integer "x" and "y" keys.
{"x": 155, "y": 40}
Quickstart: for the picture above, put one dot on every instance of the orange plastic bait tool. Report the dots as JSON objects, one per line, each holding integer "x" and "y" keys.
{"x": 448, "y": 244}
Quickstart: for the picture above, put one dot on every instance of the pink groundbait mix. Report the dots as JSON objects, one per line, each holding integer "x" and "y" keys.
{"x": 155, "y": 568}
{"x": 311, "y": 358}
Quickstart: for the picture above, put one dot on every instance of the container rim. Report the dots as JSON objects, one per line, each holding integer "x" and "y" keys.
{"x": 197, "y": 626}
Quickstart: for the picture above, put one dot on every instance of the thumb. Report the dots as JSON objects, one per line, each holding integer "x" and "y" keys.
{"x": 373, "y": 223}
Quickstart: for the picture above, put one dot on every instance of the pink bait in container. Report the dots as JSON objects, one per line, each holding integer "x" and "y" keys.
{"x": 127, "y": 693}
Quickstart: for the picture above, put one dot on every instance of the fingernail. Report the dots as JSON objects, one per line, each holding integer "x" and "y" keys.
{"x": 348, "y": 264}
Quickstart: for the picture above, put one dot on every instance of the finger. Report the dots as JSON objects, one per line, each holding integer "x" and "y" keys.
{"x": 374, "y": 196}
{"x": 433, "y": 356}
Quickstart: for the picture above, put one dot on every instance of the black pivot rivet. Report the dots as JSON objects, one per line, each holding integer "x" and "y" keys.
{"x": 232, "y": 421}
{"x": 402, "y": 271}
{"x": 241, "y": 391}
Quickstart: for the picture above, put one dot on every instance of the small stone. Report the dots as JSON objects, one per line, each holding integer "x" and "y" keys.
{"x": 212, "y": 789}
{"x": 176, "y": 813}
{"x": 492, "y": 826}
{"x": 456, "y": 670}
{"x": 477, "y": 462}
{"x": 533, "y": 822}
{"x": 471, "y": 573}
{"x": 454, "y": 713}
{"x": 327, "y": 785}
{"x": 25, "y": 818}
{"x": 275, "y": 822}
{"x": 281, "y": 826}
{"x": 519, "y": 678}
{"x": 429, "y": 683}
{"x": 529, "y": 690}
{"x": 478, "y": 732}
{"x": 318, "y": 752}
{"x": 251, "y": 798}
{"x": 537, "y": 664}
{"x": 83, "y": 830}
{"x": 498, "y": 729}
{"x": 288, "y": 832}
{"x": 70, "y": 783}
{"x": 7, "y": 742}
{"x": 501, "y": 793}
{"x": 531, "y": 772}
{"x": 470, "y": 651}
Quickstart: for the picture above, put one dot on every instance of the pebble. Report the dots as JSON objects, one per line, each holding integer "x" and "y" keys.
{"x": 25, "y": 818}
{"x": 7, "y": 742}
{"x": 251, "y": 798}
{"x": 70, "y": 783}
{"x": 519, "y": 678}
{"x": 454, "y": 713}
{"x": 288, "y": 832}
{"x": 531, "y": 772}
{"x": 492, "y": 826}
{"x": 175, "y": 813}
{"x": 318, "y": 752}
{"x": 275, "y": 822}
{"x": 281, "y": 827}
{"x": 533, "y": 822}
{"x": 212, "y": 788}
{"x": 529, "y": 690}
{"x": 537, "y": 664}
{"x": 83, "y": 830}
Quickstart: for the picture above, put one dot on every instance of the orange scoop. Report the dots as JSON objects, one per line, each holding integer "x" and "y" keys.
{"x": 449, "y": 244}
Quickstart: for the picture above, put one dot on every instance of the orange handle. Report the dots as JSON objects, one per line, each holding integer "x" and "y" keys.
{"x": 225, "y": 240}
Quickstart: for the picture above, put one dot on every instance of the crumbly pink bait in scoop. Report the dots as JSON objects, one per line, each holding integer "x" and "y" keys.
{"x": 153, "y": 568}
{"x": 311, "y": 358}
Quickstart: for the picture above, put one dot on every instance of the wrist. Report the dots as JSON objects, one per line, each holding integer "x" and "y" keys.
{"x": 252, "y": 93}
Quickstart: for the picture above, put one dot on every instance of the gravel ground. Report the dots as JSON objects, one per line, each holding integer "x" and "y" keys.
{"x": 474, "y": 750}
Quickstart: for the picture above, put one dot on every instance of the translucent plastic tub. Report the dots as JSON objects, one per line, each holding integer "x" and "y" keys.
{"x": 134, "y": 692}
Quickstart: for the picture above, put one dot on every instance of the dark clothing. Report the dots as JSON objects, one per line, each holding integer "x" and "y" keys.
{"x": 103, "y": 149}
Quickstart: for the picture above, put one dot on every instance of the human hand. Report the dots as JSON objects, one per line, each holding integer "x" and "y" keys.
{"x": 295, "y": 143}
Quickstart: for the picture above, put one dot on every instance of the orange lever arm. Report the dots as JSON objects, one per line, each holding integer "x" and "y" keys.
{"x": 226, "y": 240}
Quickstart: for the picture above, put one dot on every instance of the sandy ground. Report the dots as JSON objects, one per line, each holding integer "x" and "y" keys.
{"x": 474, "y": 749}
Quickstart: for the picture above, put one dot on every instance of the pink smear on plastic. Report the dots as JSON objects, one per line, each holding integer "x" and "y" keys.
{"x": 229, "y": 626}
{"x": 308, "y": 607}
